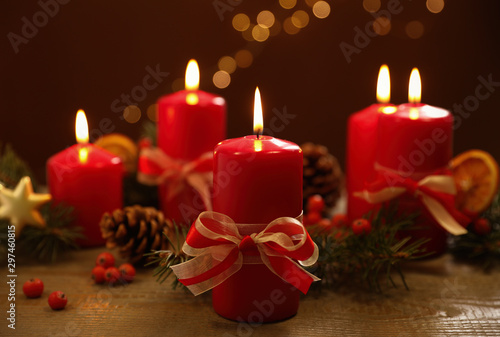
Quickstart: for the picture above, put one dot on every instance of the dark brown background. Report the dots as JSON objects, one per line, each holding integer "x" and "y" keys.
{"x": 93, "y": 51}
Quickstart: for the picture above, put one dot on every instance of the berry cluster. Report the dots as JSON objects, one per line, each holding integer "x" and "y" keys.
{"x": 33, "y": 288}
{"x": 339, "y": 222}
{"x": 105, "y": 270}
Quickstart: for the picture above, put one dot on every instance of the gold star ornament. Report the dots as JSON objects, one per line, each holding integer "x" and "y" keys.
{"x": 20, "y": 205}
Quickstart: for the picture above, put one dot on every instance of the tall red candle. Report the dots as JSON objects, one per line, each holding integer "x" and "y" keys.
{"x": 362, "y": 146}
{"x": 190, "y": 123}
{"x": 414, "y": 142}
{"x": 90, "y": 180}
{"x": 256, "y": 180}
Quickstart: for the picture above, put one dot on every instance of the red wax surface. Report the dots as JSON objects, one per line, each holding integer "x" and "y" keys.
{"x": 92, "y": 188}
{"x": 416, "y": 148}
{"x": 185, "y": 132}
{"x": 255, "y": 182}
{"x": 361, "y": 155}
{"x": 415, "y": 145}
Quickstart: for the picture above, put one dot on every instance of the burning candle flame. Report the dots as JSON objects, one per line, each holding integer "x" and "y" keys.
{"x": 81, "y": 128}
{"x": 415, "y": 87}
{"x": 82, "y": 135}
{"x": 192, "y": 82}
{"x": 192, "y": 75}
{"x": 384, "y": 85}
{"x": 258, "y": 124}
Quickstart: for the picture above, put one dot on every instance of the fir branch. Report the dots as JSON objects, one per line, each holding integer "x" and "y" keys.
{"x": 48, "y": 243}
{"x": 13, "y": 168}
{"x": 344, "y": 255}
{"x": 164, "y": 259}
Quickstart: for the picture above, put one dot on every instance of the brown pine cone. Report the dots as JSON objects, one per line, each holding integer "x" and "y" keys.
{"x": 322, "y": 174}
{"x": 137, "y": 230}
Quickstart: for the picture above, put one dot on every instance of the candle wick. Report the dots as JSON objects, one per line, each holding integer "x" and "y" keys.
{"x": 258, "y": 135}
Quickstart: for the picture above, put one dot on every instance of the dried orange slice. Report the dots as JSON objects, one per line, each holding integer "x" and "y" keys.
{"x": 121, "y": 146}
{"x": 476, "y": 178}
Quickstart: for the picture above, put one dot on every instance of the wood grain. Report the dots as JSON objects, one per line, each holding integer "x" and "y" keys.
{"x": 447, "y": 298}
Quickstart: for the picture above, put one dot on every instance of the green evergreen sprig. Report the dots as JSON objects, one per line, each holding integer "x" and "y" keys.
{"x": 13, "y": 168}
{"x": 344, "y": 255}
{"x": 48, "y": 243}
{"x": 164, "y": 259}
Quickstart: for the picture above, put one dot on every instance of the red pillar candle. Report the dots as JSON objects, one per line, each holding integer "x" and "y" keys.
{"x": 256, "y": 180}
{"x": 190, "y": 123}
{"x": 414, "y": 142}
{"x": 362, "y": 146}
{"x": 89, "y": 179}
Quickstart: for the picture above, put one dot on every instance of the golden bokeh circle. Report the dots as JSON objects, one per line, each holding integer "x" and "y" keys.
{"x": 382, "y": 25}
{"x": 244, "y": 58}
{"x": 227, "y": 63}
{"x": 221, "y": 79}
{"x": 321, "y": 9}
{"x": 287, "y": 4}
{"x": 241, "y": 22}
{"x": 415, "y": 29}
{"x": 265, "y": 19}
{"x": 260, "y": 33}
{"x": 300, "y": 19}
{"x": 132, "y": 114}
{"x": 435, "y": 6}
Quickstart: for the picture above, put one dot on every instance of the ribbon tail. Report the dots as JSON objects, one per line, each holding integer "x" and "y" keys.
{"x": 288, "y": 270}
{"x": 383, "y": 195}
{"x": 204, "y": 272}
{"x": 202, "y": 187}
{"x": 442, "y": 216}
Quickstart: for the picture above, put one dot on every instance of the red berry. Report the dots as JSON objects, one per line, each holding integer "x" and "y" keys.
{"x": 482, "y": 226}
{"x": 127, "y": 272}
{"x": 57, "y": 300}
{"x": 112, "y": 275}
{"x": 145, "y": 143}
{"x": 33, "y": 288}
{"x": 315, "y": 203}
{"x": 325, "y": 225}
{"x": 105, "y": 260}
{"x": 312, "y": 218}
{"x": 339, "y": 221}
{"x": 361, "y": 226}
{"x": 98, "y": 274}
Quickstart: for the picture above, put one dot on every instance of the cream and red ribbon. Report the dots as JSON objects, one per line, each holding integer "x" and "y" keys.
{"x": 435, "y": 192}
{"x": 156, "y": 168}
{"x": 219, "y": 251}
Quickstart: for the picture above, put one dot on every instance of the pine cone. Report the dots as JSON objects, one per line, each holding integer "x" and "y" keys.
{"x": 322, "y": 174}
{"x": 137, "y": 230}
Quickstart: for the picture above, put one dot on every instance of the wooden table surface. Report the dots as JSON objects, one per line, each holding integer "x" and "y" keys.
{"x": 447, "y": 298}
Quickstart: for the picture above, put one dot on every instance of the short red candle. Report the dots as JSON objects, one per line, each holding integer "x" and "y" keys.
{"x": 416, "y": 141}
{"x": 255, "y": 182}
{"x": 362, "y": 147}
{"x": 190, "y": 123}
{"x": 91, "y": 185}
